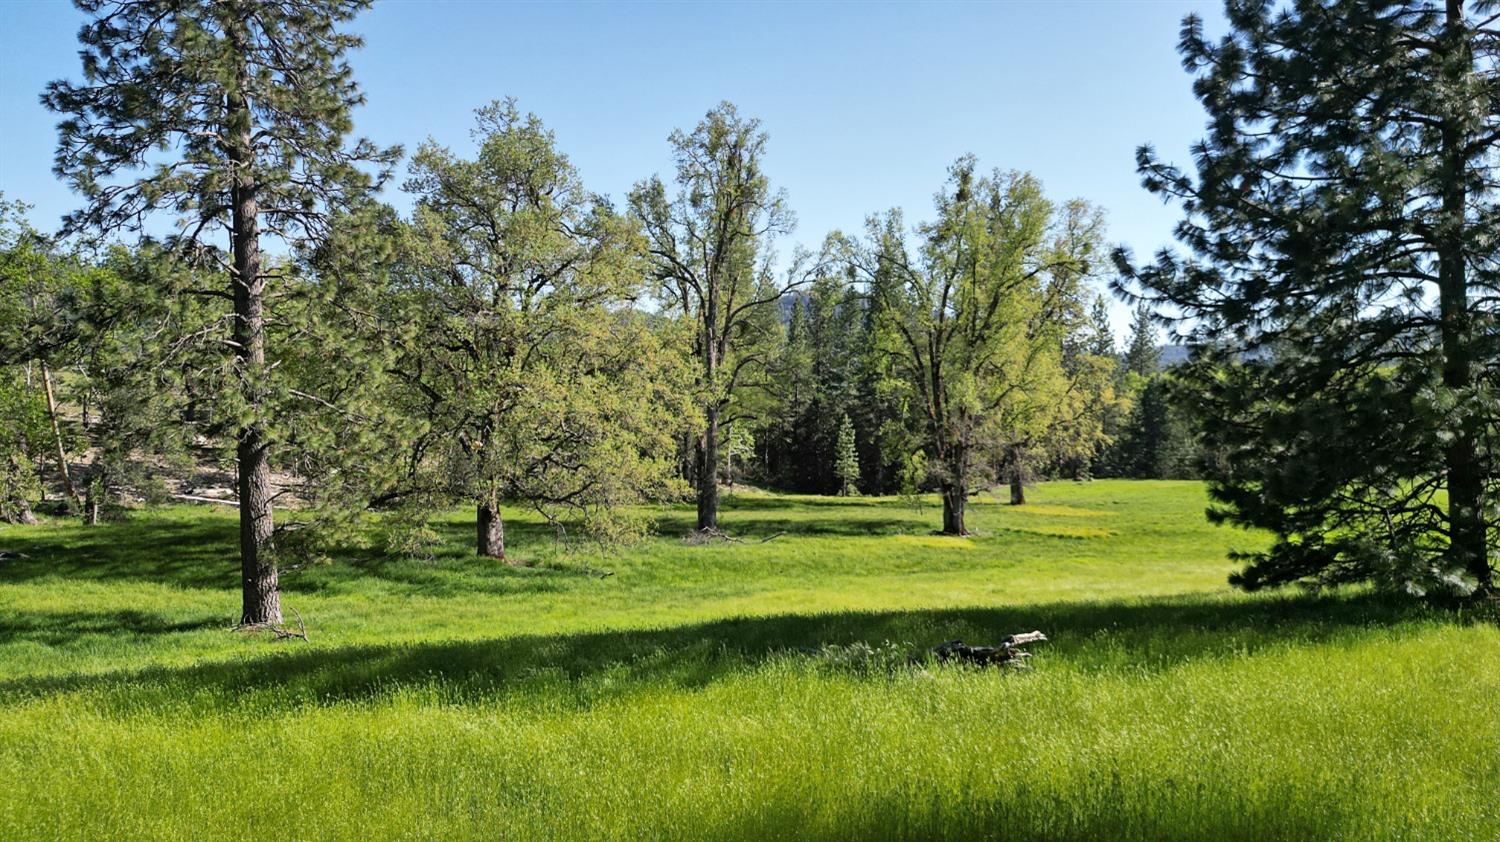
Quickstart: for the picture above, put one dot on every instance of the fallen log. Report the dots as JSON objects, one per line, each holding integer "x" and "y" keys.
{"x": 710, "y": 534}
{"x": 194, "y": 498}
{"x": 1007, "y": 653}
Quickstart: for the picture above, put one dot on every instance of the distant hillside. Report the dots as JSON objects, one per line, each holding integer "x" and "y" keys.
{"x": 1173, "y": 355}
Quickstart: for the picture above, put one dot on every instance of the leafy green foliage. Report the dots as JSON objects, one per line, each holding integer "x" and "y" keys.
{"x": 535, "y": 377}
{"x": 1341, "y": 224}
{"x": 978, "y": 317}
{"x": 711, "y": 246}
{"x": 23, "y": 430}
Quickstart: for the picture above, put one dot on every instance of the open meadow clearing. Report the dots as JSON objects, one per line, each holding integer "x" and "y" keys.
{"x": 462, "y": 421}
{"x": 461, "y": 698}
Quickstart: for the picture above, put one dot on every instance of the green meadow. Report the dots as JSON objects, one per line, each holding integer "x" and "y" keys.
{"x": 760, "y": 689}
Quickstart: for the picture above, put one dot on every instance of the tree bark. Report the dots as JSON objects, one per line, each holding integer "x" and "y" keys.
{"x": 21, "y": 513}
{"x": 955, "y": 502}
{"x": 1017, "y": 478}
{"x": 708, "y": 475}
{"x": 261, "y": 597}
{"x": 57, "y": 441}
{"x": 1468, "y": 546}
{"x": 490, "y": 532}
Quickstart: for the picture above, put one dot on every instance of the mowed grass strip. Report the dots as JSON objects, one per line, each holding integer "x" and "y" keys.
{"x": 454, "y": 698}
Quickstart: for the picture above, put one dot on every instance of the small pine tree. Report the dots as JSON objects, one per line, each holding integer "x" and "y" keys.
{"x": 1141, "y": 355}
{"x": 1156, "y": 443}
{"x": 1103, "y": 343}
{"x": 846, "y": 458}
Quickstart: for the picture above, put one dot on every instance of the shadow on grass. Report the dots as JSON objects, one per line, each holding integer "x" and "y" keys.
{"x": 63, "y": 628}
{"x": 581, "y": 669}
{"x": 190, "y": 548}
{"x": 1098, "y": 804}
{"x": 193, "y": 549}
{"x": 776, "y": 502}
{"x": 188, "y": 552}
{"x": 751, "y": 528}
{"x": 761, "y": 516}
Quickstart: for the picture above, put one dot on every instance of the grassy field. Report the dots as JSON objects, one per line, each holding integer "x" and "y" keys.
{"x": 454, "y": 698}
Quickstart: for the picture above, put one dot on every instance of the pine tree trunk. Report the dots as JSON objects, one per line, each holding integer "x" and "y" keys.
{"x": 490, "y": 532}
{"x": 261, "y": 597}
{"x": 1468, "y": 538}
{"x": 708, "y": 475}
{"x": 261, "y": 593}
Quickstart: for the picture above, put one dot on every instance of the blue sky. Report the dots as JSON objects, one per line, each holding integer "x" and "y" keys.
{"x": 866, "y": 104}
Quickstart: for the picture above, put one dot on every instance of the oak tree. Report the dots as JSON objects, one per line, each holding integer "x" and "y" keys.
{"x": 978, "y": 309}
{"x": 712, "y": 249}
{"x": 537, "y": 378}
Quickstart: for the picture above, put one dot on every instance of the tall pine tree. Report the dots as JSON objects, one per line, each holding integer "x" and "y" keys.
{"x": 1142, "y": 356}
{"x": 1342, "y": 226}
{"x": 232, "y": 117}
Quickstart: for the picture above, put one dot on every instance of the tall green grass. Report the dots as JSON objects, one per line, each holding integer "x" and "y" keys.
{"x": 738, "y": 691}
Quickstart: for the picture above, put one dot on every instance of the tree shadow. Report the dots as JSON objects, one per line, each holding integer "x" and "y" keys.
{"x": 761, "y": 503}
{"x": 192, "y": 553}
{"x": 1102, "y": 804}
{"x": 193, "y": 549}
{"x": 198, "y": 551}
{"x": 453, "y": 569}
{"x": 755, "y": 517}
{"x": 750, "y": 528}
{"x": 758, "y": 517}
{"x": 65, "y": 627}
{"x": 582, "y": 669}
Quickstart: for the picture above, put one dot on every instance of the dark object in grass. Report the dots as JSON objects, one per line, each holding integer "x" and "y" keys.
{"x": 710, "y": 535}
{"x": 280, "y": 631}
{"x": 1008, "y": 653}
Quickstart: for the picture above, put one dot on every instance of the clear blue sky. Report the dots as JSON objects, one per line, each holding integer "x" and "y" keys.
{"x": 866, "y": 105}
